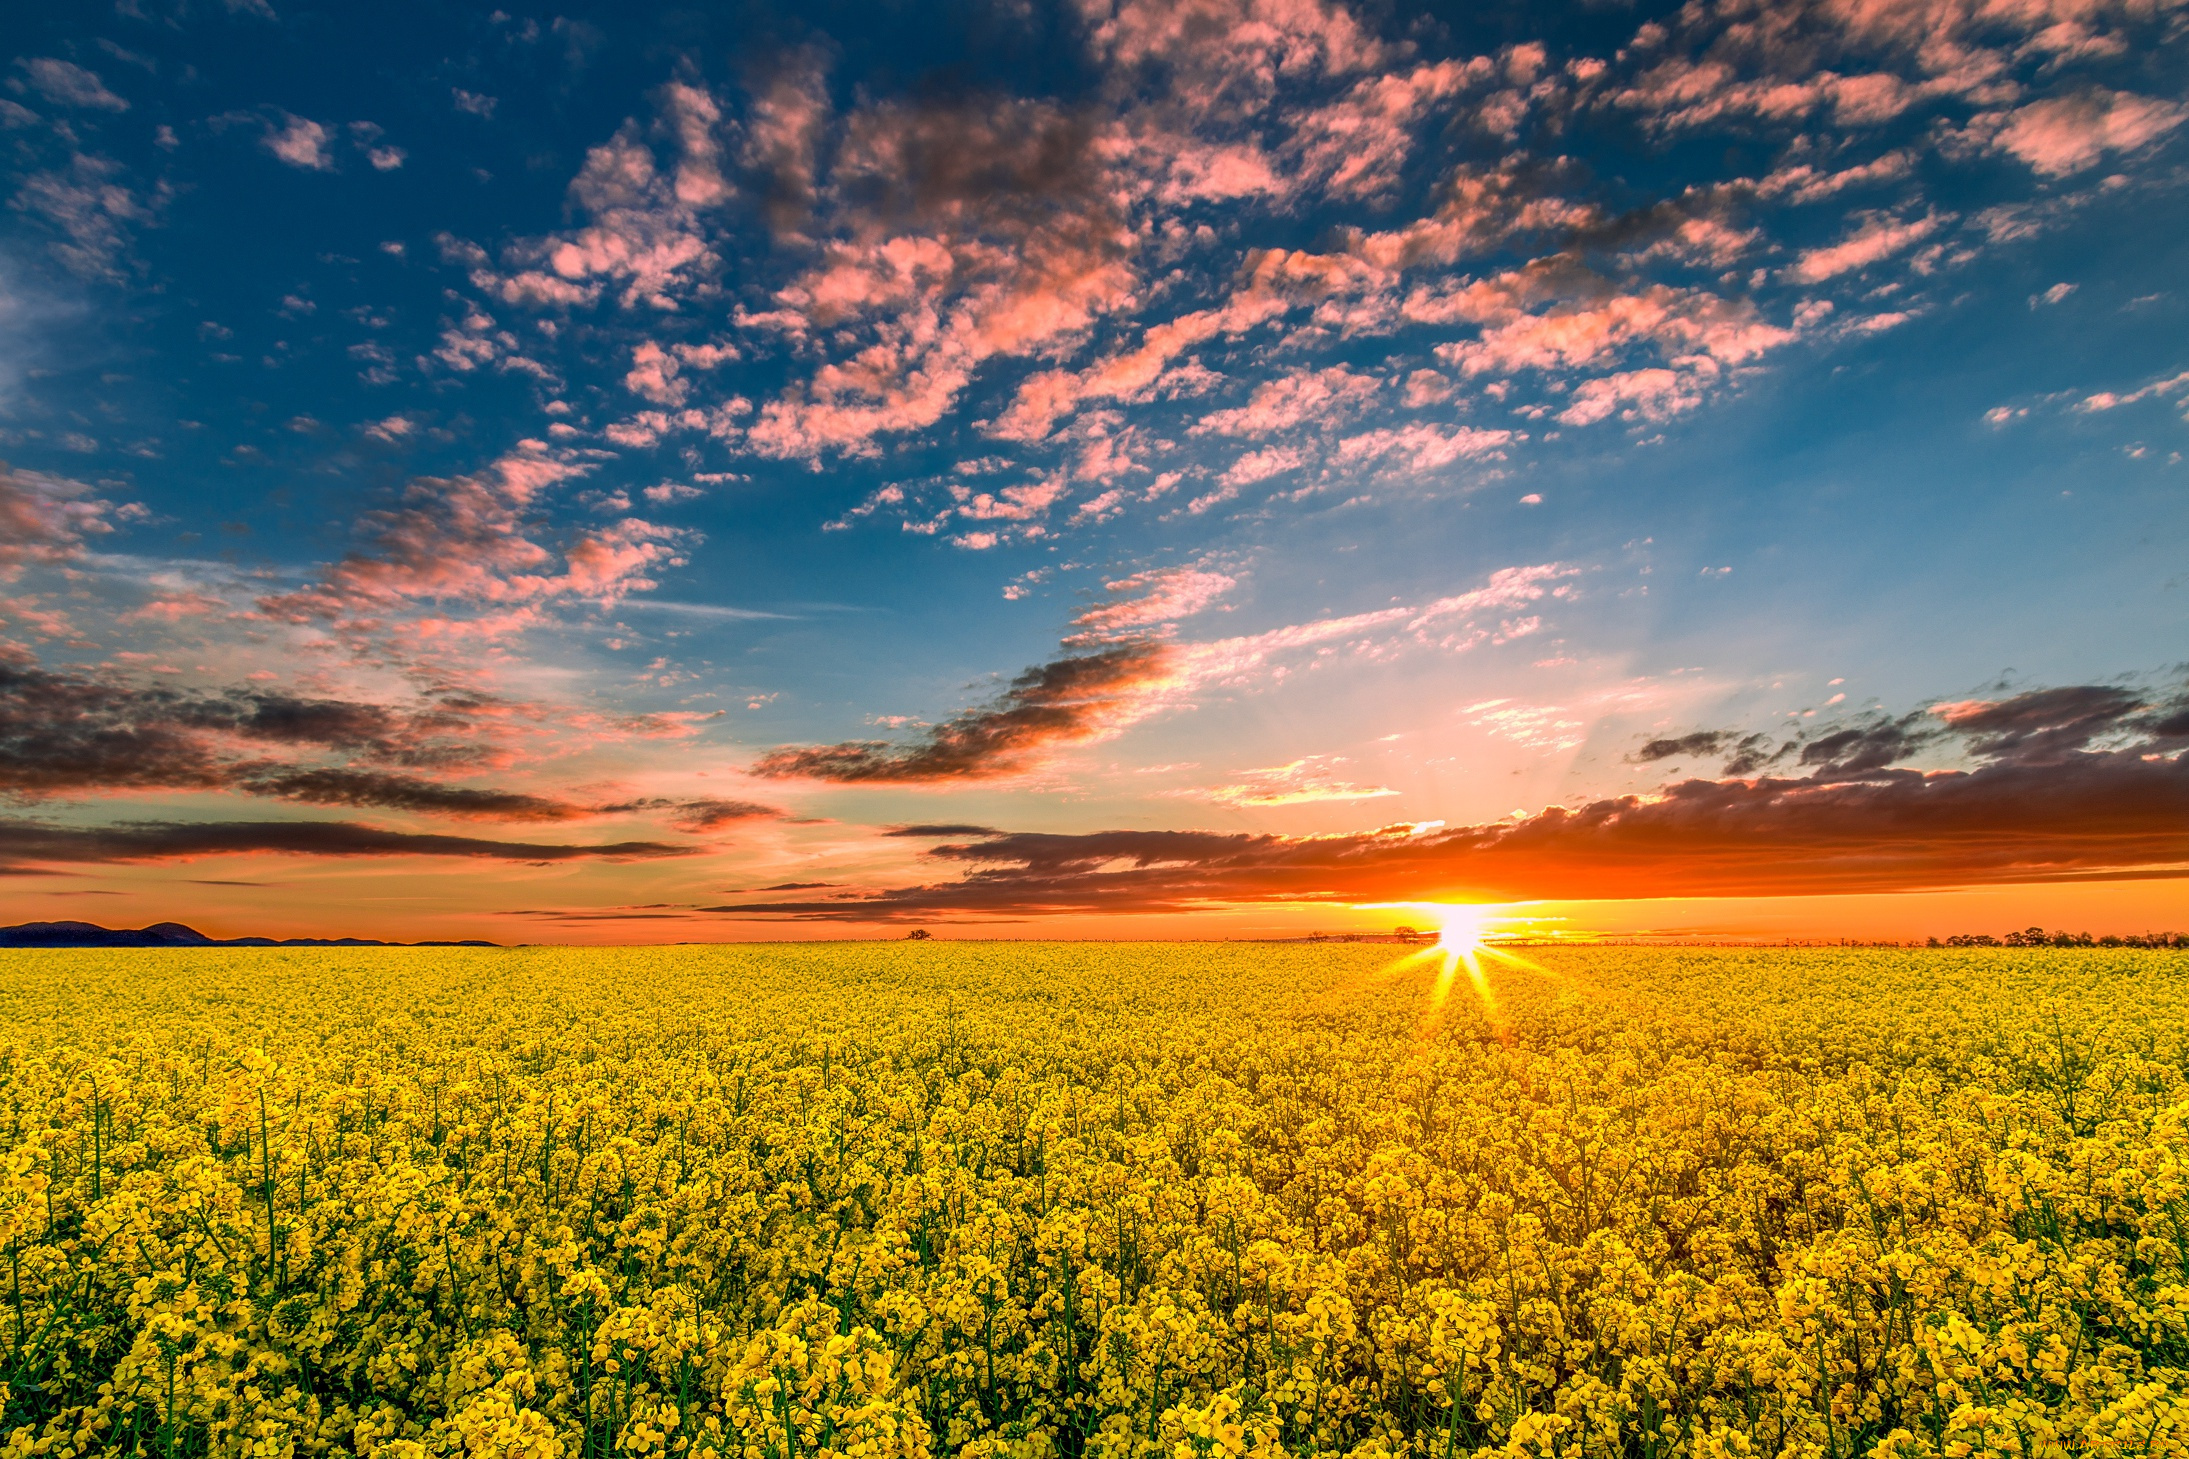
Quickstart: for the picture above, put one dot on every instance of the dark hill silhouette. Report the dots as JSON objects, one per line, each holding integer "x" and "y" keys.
{"x": 175, "y": 934}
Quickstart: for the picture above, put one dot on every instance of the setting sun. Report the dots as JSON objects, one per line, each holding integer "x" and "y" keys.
{"x": 1460, "y": 928}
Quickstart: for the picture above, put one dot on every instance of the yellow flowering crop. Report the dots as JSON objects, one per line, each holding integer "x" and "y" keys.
{"x": 1094, "y": 1202}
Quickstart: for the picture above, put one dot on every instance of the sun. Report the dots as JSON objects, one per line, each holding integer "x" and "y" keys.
{"x": 1460, "y": 929}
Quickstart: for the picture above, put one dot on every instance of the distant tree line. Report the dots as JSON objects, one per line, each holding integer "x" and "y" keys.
{"x": 2038, "y": 937}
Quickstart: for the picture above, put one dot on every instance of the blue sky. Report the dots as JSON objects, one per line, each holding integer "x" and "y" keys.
{"x": 659, "y": 442}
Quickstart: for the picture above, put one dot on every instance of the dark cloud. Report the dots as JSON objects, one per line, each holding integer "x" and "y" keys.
{"x": 930, "y": 831}
{"x": 59, "y": 733}
{"x": 408, "y": 793}
{"x": 1702, "y": 742}
{"x": 1999, "y": 825}
{"x": 64, "y": 734}
{"x": 2040, "y": 805}
{"x": 1752, "y": 754}
{"x": 712, "y": 815}
{"x": 957, "y": 161}
{"x": 1062, "y": 702}
{"x": 2041, "y": 726}
{"x": 1859, "y": 749}
{"x": 33, "y": 842}
{"x": 287, "y": 719}
{"x": 2044, "y": 725}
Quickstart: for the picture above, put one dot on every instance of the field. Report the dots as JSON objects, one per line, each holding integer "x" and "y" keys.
{"x": 905, "y": 1199}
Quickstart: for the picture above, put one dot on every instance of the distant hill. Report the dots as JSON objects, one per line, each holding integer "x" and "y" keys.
{"x": 174, "y": 934}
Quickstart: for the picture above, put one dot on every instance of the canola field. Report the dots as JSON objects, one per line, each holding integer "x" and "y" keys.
{"x": 1069, "y": 1201}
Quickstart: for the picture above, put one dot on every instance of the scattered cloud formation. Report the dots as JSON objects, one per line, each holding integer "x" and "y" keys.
{"x": 69, "y": 737}
{"x": 2046, "y": 799}
{"x": 1304, "y": 404}
{"x": 1117, "y": 673}
{"x": 50, "y": 519}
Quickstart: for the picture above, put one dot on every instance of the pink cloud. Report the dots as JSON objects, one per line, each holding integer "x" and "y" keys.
{"x": 463, "y": 541}
{"x": 1804, "y": 183}
{"x": 1432, "y": 624}
{"x": 942, "y": 265}
{"x": 1650, "y": 394}
{"x": 46, "y": 519}
{"x": 783, "y": 130}
{"x": 1261, "y": 465}
{"x": 1044, "y": 398}
{"x": 1478, "y": 213}
{"x": 1146, "y": 599}
{"x": 1420, "y": 447}
{"x": 1227, "y": 56}
{"x": 67, "y": 84}
{"x": 2107, "y": 400}
{"x": 300, "y": 143}
{"x": 2065, "y": 134}
{"x": 1357, "y": 145}
{"x": 1579, "y": 333}
{"x": 1279, "y": 405}
{"x": 1878, "y": 237}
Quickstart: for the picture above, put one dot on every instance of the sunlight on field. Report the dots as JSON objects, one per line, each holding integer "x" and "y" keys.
{"x": 1093, "y": 1200}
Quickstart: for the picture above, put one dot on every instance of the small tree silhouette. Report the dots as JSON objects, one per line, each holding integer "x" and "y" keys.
{"x": 917, "y": 934}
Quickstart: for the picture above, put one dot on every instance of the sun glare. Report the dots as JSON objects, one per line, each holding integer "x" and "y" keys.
{"x": 1461, "y": 928}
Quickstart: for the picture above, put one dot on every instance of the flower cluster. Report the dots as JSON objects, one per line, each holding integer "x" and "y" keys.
{"x": 890, "y": 1200}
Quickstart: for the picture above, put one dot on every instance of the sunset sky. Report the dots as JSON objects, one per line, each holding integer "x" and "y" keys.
{"x": 1114, "y": 468}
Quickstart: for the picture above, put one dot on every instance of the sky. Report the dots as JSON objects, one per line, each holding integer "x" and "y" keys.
{"x": 1096, "y": 468}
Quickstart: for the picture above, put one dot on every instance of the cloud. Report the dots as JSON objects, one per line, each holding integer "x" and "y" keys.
{"x": 2041, "y": 805}
{"x": 964, "y": 231}
{"x": 32, "y": 843}
{"x": 1122, "y": 673}
{"x": 1304, "y": 781}
{"x": 1875, "y": 239}
{"x": 345, "y": 786}
{"x": 1227, "y": 56}
{"x": 1590, "y": 322}
{"x": 1070, "y": 700}
{"x": 2064, "y": 134}
{"x": 1862, "y": 749}
{"x": 645, "y": 231}
{"x": 1421, "y": 447}
{"x": 66, "y": 735}
{"x": 91, "y": 208}
{"x": 1322, "y": 396}
{"x": 66, "y": 84}
{"x": 1359, "y": 145}
{"x": 47, "y": 519}
{"x": 1652, "y": 394}
{"x": 461, "y": 543}
{"x": 1161, "y": 595}
{"x": 2045, "y": 726}
{"x": 1261, "y": 465}
{"x": 1701, "y": 742}
{"x": 783, "y": 130}
{"x": 2107, "y": 400}
{"x": 300, "y": 143}
{"x": 713, "y": 815}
